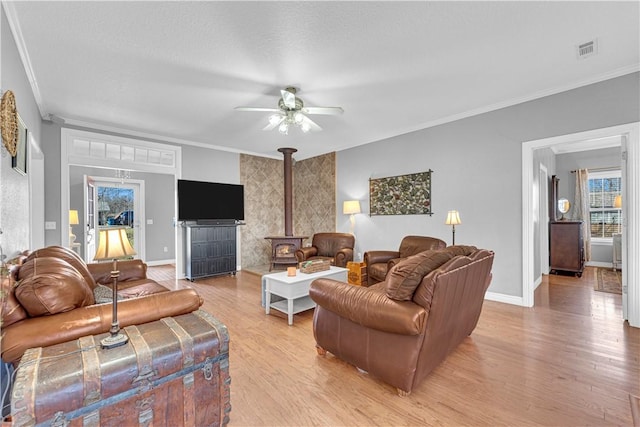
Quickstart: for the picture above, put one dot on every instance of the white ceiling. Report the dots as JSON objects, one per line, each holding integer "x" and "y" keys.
{"x": 176, "y": 70}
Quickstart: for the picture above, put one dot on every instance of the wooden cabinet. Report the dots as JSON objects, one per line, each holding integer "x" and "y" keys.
{"x": 210, "y": 250}
{"x": 566, "y": 251}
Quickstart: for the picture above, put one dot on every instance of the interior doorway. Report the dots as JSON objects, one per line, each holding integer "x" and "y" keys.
{"x": 630, "y": 137}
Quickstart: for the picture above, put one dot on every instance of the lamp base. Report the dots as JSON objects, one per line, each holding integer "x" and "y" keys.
{"x": 114, "y": 341}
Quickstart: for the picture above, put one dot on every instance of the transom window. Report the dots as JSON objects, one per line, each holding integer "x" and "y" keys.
{"x": 605, "y": 217}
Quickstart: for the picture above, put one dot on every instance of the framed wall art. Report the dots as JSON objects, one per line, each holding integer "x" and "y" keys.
{"x": 19, "y": 161}
{"x": 401, "y": 195}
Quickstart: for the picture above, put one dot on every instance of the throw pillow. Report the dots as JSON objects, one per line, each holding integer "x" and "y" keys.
{"x": 104, "y": 294}
{"x": 405, "y": 277}
{"x": 51, "y": 293}
{"x": 40, "y": 265}
{"x": 67, "y": 255}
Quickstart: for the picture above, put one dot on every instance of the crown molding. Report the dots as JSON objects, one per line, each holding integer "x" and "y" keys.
{"x": 14, "y": 25}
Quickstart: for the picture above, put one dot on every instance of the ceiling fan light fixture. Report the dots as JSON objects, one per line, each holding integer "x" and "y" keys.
{"x": 298, "y": 117}
{"x": 284, "y": 128}
{"x": 304, "y": 127}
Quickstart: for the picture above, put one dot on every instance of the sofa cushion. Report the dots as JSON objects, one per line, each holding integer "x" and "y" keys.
{"x": 51, "y": 293}
{"x": 67, "y": 255}
{"x": 403, "y": 279}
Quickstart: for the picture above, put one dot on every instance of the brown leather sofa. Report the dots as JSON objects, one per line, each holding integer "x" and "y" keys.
{"x": 399, "y": 330}
{"x": 380, "y": 262}
{"x": 335, "y": 247}
{"x": 51, "y": 300}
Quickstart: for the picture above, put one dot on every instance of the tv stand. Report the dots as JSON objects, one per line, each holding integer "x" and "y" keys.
{"x": 210, "y": 250}
{"x": 216, "y": 222}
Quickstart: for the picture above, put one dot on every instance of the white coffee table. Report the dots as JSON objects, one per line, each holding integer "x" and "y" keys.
{"x": 295, "y": 289}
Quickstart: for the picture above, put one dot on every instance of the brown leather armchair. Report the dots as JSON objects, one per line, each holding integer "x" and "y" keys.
{"x": 335, "y": 247}
{"x": 380, "y": 262}
{"x": 400, "y": 329}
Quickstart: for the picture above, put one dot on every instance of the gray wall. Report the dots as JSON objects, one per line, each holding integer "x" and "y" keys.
{"x": 565, "y": 163}
{"x": 14, "y": 187}
{"x": 477, "y": 171}
{"x": 197, "y": 164}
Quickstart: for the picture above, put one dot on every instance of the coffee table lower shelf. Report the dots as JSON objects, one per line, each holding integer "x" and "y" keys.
{"x": 297, "y": 306}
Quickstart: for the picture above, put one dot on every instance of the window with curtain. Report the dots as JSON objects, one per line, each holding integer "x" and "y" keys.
{"x": 605, "y": 217}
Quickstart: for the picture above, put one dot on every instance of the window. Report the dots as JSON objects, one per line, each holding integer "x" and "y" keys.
{"x": 605, "y": 218}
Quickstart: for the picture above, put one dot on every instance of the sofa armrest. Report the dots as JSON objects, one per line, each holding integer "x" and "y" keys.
{"x": 92, "y": 320}
{"x": 369, "y": 307}
{"x": 343, "y": 256}
{"x": 305, "y": 253}
{"x": 133, "y": 269}
{"x": 374, "y": 257}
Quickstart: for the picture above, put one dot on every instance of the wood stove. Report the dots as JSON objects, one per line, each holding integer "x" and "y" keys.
{"x": 283, "y": 250}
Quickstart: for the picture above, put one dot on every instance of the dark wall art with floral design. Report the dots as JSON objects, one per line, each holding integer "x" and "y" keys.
{"x": 401, "y": 195}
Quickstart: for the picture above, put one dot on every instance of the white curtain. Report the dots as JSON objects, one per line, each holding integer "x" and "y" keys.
{"x": 581, "y": 209}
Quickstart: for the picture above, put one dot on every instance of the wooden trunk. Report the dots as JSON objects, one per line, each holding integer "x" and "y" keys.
{"x": 172, "y": 372}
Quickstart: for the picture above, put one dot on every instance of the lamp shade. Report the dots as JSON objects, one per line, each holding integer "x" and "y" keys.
{"x": 73, "y": 217}
{"x": 112, "y": 244}
{"x": 617, "y": 202}
{"x": 453, "y": 218}
{"x": 351, "y": 207}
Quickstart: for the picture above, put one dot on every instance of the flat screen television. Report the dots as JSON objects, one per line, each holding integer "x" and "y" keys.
{"x": 199, "y": 200}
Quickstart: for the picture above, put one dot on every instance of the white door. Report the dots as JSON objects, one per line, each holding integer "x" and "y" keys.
{"x": 118, "y": 203}
{"x": 90, "y": 221}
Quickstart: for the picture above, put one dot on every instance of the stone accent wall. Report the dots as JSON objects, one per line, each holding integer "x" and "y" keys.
{"x": 314, "y": 201}
{"x": 314, "y": 195}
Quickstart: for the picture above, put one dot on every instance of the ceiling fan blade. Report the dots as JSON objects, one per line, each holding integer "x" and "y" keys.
{"x": 273, "y": 123}
{"x": 312, "y": 125}
{"x": 289, "y": 99}
{"x": 272, "y": 110}
{"x": 332, "y": 111}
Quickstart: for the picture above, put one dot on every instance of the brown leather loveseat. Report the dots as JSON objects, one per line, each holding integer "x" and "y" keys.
{"x": 334, "y": 247}
{"x": 399, "y": 330}
{"x": 52, "y": 300}
{"x": 380, "y": 262}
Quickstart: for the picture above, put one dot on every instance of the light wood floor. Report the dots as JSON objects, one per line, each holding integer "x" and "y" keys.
{"x": 569, "y": 361}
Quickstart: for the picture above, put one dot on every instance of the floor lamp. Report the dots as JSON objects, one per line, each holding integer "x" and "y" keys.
{"x": 351, "y": 207}
{"x": 453, "y": 219}
{"x": 113, "y": 243}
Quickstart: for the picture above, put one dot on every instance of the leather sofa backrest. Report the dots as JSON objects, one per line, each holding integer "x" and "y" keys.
{"x": 425, "y": 292}
{"x": 328, "y": 244}
{"x": 412, "y": 245}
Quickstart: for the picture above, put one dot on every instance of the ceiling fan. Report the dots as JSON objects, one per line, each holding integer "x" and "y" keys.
{"x": 292, "y": 112}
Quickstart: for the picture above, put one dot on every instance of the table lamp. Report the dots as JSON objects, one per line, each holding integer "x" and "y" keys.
{"x": 453, "y": 219}
{"x": 351, "y": 207}
{"x": 113, "y": 243}
{"x": 73, "y": 220}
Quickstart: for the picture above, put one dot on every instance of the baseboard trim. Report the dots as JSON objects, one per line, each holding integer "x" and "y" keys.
{"x": 507, "y": 299}
{"x": 160, "y": 262}
{"x": 598, "y": 264}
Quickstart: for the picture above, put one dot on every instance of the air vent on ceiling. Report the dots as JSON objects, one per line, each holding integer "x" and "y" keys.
{"x": 587, "y": 49}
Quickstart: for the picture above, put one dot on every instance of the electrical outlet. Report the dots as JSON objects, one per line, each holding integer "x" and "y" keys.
{"x": 50, "y": 225}
{"x": 166, "y": 249}
{"x": 149, "y": 222}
